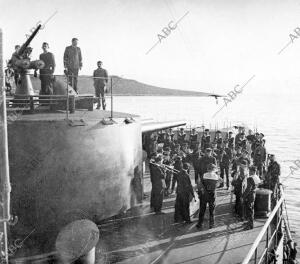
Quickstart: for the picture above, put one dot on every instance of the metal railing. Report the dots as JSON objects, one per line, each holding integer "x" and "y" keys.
{"x": 278, "y": 215}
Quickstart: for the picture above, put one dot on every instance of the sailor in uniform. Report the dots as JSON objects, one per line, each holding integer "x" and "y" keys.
{"x": 193, "y": 139}
{"x": 239, "y": 184}
{"x": 207, "y": 195}
{"x": 273, "y": 173}
{"x": 226, "y": 156}
{"x": 171, "y": 134}
{"x": 169, "y": 174}
{"x": 259, "y": 158}
{"x": 184, "y": 195}
{"x": 205, "y": 161}
{"x": 158, "y": 185}
{"x": 249, "y": 196}
{"x": 181, "y": 136}
{"x": 161, "y": 137}
{"x": 218, "y": 139}
{"x": 230, "y": 140}
{"x": 205, "y": 140}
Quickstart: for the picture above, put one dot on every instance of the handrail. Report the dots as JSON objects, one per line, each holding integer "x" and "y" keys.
{"x": 263, "y": 231}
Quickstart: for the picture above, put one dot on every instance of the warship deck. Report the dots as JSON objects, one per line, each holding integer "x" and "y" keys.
{"x": 140, "y": 236}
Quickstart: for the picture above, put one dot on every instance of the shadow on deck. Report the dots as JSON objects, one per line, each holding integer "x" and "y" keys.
{"x": 140, "y": 236}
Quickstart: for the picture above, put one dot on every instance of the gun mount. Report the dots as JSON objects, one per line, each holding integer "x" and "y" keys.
{"x": 21, "y": 63}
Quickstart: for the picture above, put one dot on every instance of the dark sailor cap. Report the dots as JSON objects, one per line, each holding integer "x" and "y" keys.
{"x": 77, "y": 239}
{"x": 218, "y": 131}
{"x": 230, "y": 132}
{"x": 206, "y": 130}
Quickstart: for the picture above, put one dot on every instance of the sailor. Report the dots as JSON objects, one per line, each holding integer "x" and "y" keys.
{"x": 158, "y": 185}
{"x": 46, "y": 73}
{"x": 205, "y": 140}
{"x": 12, "y": 61}
{"x": 168, "y": 143}
{"x": 181, "y": 136}
{"x": 205, "y": 161}
{"x": 153, "y": 144}
{"x": 171, "y": 134}
{"x": 100, "y": 81}
{"x": 237, "y": 155}
{"x": 238, "y": 136}
{"x": 177, "y": 167}
{"x": 185, "y": 194}
{"x": 225, "y": 160}
{"x": 193, "y": 139}
{"x": 239, "y": 185}
{"x": 218, "y": 139}
{"x": 195, "y": 160}
{"x": 151, "y": 165}
{"x": 242, "y": 141}
{"x": 73, "y": 62}
{"x": 207, "y": 194}
{"x": 230, "y": 140}
{"x": 161, "y": 136}
{"x": 249, "y": 196}
{"x": 273, "y": 173}
{"x": 169, "y": 174}
{"x": 259, "y": 157}
{"x": 216, "y": 153}
{"x": 186, "y": 155}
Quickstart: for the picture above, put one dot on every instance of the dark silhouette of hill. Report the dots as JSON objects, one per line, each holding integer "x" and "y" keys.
{"x": 126, "y": 87}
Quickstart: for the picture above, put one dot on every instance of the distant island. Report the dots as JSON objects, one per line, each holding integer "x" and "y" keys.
{"x": 127, "y": 87}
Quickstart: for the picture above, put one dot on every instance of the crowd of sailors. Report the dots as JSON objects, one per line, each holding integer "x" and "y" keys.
{"x": 238, "y": 162}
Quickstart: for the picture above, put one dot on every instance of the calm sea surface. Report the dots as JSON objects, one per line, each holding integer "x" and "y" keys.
{"x": 276, "y": 116}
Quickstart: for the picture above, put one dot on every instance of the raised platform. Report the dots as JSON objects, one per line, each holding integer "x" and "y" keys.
{"x": 140, "y": 236}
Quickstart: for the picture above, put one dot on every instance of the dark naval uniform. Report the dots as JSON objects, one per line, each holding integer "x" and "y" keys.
{"x": 193, "y": 141}
{"x": 231, "y": 143}
{"x": 273, "y": 174}
{"x": 239, "y": 185}
{"x": 207, "y": 195}
{"x": 184, "y": 193}
{"x": 158, "y": 177}
{"x": 219, "y": 142}
{"x": 46, "y": 73}
{"x": 181, "y": 138}
{"x": 224, "y": 164}
{"x": 259, "y": 159}
{"x": 249, "y": 198}
{"x": 100, "y": 81}
{"x": 205, "y": 142}
{"x": 169, "y": 175}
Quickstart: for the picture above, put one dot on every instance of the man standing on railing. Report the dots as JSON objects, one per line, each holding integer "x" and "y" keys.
{"x": 46, "y": 74}
{"x": 100, "y": 81}
{"x": 73, "y": 62}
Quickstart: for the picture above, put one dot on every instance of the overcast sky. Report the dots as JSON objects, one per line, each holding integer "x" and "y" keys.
{"x": 217, "y": 45}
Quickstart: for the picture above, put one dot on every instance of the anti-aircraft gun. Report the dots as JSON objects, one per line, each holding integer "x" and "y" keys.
{"x": 21, "y": 63}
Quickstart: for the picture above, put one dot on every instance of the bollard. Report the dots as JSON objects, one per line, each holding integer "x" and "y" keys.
{"x": 76, "y": 242}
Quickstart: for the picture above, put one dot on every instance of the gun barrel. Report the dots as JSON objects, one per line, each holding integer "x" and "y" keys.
{"x": 26, "y": 44}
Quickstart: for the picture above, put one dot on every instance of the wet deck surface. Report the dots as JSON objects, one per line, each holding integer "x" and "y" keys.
{"x": 140, "y": 236}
